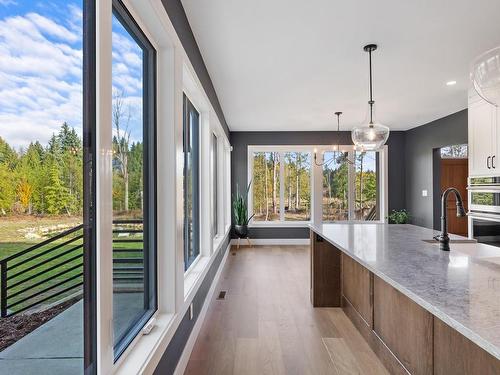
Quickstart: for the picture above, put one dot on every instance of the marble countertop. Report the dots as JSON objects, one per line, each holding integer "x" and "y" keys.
{"x": 460, "y": 287}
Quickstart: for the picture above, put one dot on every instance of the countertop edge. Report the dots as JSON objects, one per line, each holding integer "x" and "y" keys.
{"x": 468, "y": 333}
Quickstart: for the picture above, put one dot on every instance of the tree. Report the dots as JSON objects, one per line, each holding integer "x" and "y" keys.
{"x": 7, "y": 193}
{"x": 121, "y": 139}
{"x": 56, "y": 194}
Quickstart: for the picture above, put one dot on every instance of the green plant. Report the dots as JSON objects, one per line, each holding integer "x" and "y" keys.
{"x": 240, "y": 207}
{"x": 399, "y": 217}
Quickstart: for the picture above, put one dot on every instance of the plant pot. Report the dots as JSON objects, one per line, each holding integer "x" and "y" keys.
{"x": 241, "y": 231}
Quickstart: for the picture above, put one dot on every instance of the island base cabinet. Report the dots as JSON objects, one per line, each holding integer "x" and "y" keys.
{"x": 325, "y": 273}
{"x": 405, "y": 327}
{"x": 457, "y": 355}
{"x": 357, "y": 288}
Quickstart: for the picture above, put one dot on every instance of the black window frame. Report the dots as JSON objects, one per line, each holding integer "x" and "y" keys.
{"x": 89, "y": 132}
{"x": 150, "y": 175}
{"x": 215, "y": 185}
{"x": 191, "y": 136}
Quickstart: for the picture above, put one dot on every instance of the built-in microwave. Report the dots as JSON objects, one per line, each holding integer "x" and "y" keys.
{"x": 484, "y": 195}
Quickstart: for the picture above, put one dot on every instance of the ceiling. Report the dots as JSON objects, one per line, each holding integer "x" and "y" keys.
{"x": 288, "y": 65}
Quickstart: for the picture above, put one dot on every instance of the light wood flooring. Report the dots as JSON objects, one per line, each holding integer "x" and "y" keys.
{"x": 266, "y": 324}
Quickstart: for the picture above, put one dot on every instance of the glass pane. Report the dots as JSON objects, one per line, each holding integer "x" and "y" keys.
{"x": 133, "y": 183}
{"x": 367, "y": 186}
{"x": 266, "y": 186}
{"x": 335, "y": 188}
{"x": 191, "y": 184}
{"x": 41, "y": 187}
{"x": 297, "y": 186}
{"x": 454, "y": 152}
{"x": 214, "y": 185}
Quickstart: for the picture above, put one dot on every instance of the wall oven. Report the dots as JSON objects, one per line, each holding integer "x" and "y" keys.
{"x": 484, "y": 209}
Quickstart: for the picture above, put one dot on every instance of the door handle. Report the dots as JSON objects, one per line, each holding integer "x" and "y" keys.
{"x": 488, "y": 162}
{"x": 492, "y": 162}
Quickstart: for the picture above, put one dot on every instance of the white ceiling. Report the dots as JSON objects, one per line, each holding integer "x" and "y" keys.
{"x": 290, "y": 64}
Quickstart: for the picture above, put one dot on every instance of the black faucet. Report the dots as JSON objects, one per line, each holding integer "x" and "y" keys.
{"x": 443, "y": 238}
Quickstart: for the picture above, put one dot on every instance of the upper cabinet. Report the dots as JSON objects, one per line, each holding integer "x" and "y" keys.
{"x": 484, "y": 148}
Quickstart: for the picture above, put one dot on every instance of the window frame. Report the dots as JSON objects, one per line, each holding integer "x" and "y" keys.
{"x": 317, "y": 184}
{"x": 150, "y": 76}
{"x": 214, "y": 176}
{"x": 188, "y": 109}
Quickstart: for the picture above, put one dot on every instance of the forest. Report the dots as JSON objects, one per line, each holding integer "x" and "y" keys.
{"x": 48, "y": 180}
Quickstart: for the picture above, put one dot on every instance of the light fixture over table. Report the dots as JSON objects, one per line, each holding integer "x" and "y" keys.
{"x": 339, "y": 157}
{"x": 371, "y": 135}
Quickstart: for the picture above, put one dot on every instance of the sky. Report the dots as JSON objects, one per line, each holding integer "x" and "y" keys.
{"x": 41, "y": 70}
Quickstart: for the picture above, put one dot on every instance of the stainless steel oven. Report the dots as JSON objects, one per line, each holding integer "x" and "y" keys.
{"x": 484, "y": 195}
{"x": 485, "y": 229}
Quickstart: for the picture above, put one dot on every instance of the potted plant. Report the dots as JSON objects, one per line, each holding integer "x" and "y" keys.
{"x": 399, "y": 217}
{"x": 240, "y": 211}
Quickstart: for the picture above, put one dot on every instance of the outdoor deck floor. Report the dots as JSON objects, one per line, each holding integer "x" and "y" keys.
{"x": 57, "y": 346}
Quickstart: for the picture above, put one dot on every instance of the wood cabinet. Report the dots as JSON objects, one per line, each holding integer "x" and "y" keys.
{"x": 404, "y": 326}
{"x": 455, "y": 354}
{"x": 325, "y": 273}
{"x": 357, "y": 288}
{"x": 484, "y": 148}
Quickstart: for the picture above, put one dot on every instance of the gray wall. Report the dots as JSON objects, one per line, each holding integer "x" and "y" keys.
{"x": 239, "y": 172}
{"x": 420, "y": 145}
{"x": 176, "y": 346}
{"x": 179, "y": 20}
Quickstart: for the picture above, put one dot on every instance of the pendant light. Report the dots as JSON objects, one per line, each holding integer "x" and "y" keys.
{"x": 339, "y": 157}
{"x": 485, "y": 76}
{"x": 370, "y": 136}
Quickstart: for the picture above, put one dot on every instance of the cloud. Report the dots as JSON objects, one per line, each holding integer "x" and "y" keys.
{"x": 7, "y": 2}
{"x": 40, "y": 78}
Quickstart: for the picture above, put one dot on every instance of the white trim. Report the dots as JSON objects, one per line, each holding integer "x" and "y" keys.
{"x": 188, "y": 348}
{"x": 273, "y": 241}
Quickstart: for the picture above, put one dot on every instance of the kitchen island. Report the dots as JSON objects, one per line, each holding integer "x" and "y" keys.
{"x": 422, "y": 310}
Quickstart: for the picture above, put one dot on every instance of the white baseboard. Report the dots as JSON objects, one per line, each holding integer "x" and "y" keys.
{"x": 186, "y": 353}
{"x": 273, "y": 241}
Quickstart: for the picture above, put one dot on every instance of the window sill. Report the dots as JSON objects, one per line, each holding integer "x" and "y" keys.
{"x": 277, "y": 224}
{"x": 138, "y": 357}
{"x": 194, "y": 273}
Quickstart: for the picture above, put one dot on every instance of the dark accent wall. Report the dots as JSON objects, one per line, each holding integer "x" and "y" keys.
{"x": 179, "y": 20}
{"x": 421, "y": 143}
{"x": 176, "y": 346}
{"x": 239, "y": 172}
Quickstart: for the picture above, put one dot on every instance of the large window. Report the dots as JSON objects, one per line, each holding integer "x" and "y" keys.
{"x": 215, "y": 179}
{"x": 335, "y": 201}
{"x": 134, "y": 178}
{"x": 351, "y": 186}
{"x": 280, "y": 185}
{"x": 266, "y": 186}
{"x": 297, "y": 176}
{"x": 284, "y": 192}
{"x": 47, "y": 232}
{"x": 191, "y": 136}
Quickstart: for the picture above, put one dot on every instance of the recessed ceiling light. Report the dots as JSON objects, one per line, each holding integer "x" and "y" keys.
{"x": 451, "y": 83}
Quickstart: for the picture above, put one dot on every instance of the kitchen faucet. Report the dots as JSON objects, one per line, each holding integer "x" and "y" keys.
{"x": 443, "y": 238}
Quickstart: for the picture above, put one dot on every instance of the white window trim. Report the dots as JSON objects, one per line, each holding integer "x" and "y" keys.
{"x": 316, "y": 184}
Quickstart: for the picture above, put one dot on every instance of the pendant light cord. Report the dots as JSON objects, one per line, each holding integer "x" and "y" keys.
{"x": 371, "y": 102}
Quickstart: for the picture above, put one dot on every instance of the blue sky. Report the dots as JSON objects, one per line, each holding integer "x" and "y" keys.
{"x": 41, "y": 70}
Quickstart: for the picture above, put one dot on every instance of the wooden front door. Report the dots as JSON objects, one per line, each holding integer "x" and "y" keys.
{"x": 454, "y": 173}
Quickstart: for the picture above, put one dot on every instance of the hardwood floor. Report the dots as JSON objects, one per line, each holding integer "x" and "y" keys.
{"x": 266, "y": 324}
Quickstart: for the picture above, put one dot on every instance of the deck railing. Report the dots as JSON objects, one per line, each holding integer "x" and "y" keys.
{"x": 52, "y": 270}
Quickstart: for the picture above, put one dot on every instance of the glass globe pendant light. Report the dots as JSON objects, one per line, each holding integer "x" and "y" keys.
{"x": 371, "y": 136}
{"x": 485, "y": 76}
{"x": 339, "y": 157}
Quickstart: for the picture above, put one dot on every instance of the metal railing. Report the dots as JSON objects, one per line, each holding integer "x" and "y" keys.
{"x": 50, "y": 271}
